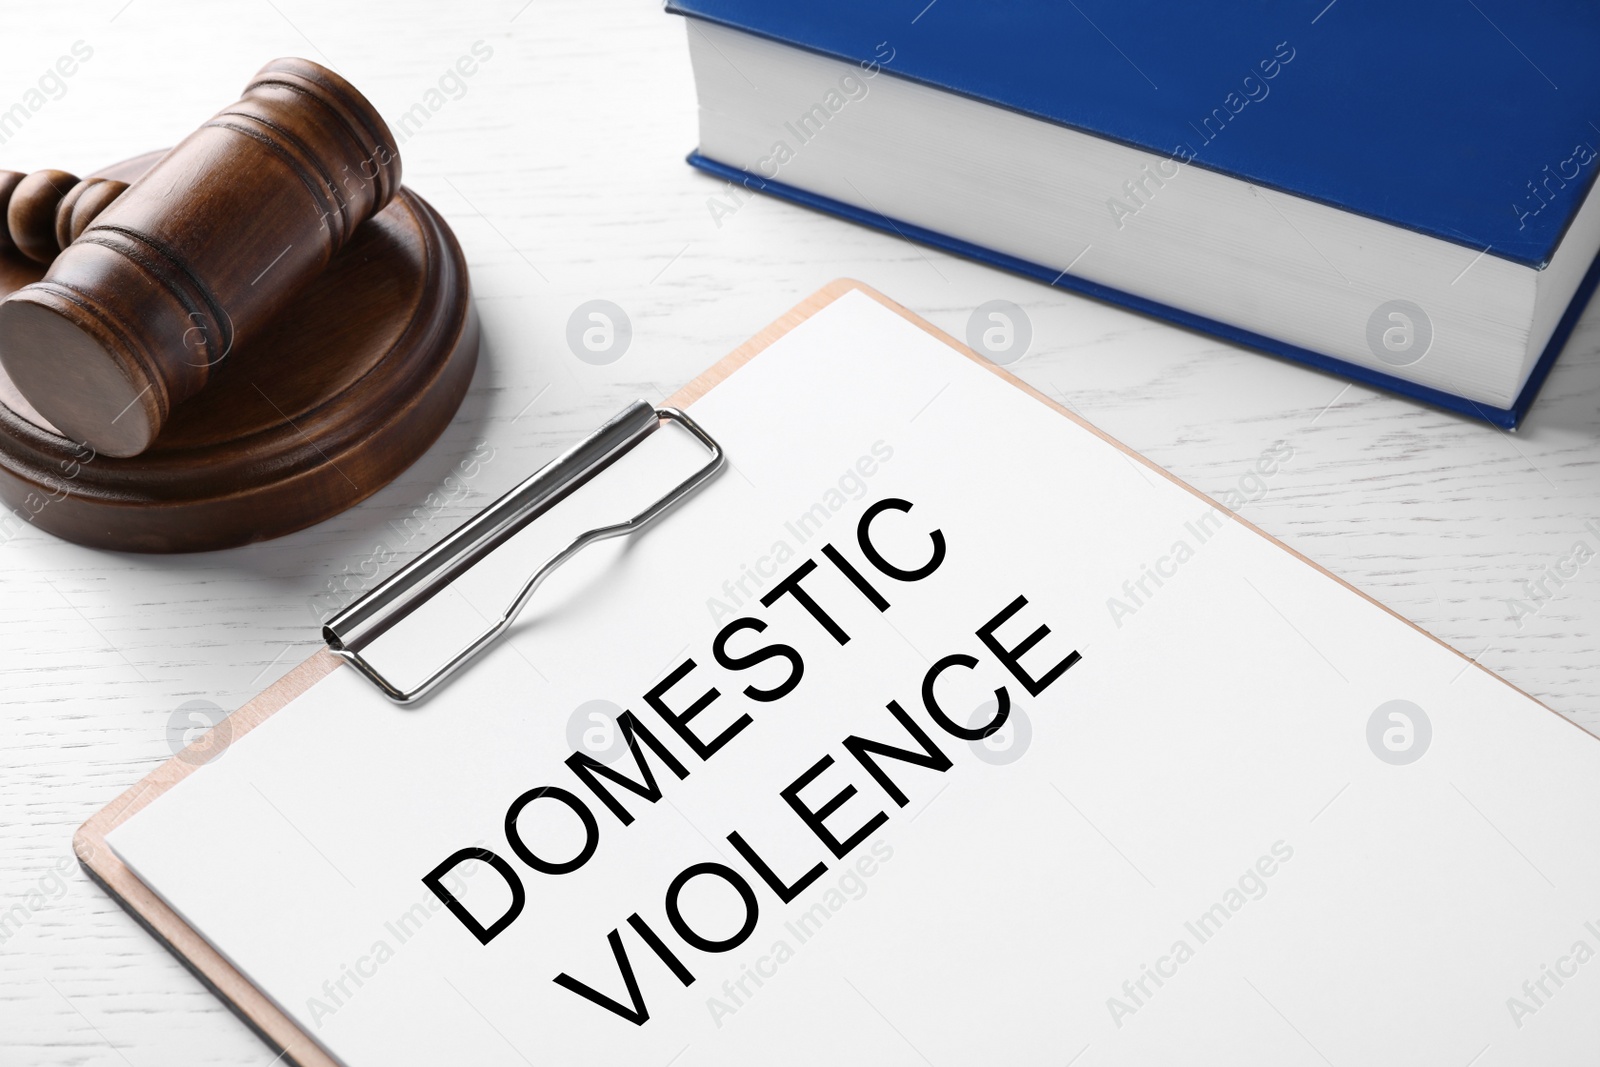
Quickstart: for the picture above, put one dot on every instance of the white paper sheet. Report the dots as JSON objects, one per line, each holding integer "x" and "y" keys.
{"x": 1199, "y": 849}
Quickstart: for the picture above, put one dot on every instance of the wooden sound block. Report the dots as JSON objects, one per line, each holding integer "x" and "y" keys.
{"x": 344, "y": 390}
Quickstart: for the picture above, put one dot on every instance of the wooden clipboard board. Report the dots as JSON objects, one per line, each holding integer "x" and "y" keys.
{"x": 259, "y": 1012}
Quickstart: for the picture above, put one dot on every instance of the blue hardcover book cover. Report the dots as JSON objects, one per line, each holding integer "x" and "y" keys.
{"x": 1470, "y": 121}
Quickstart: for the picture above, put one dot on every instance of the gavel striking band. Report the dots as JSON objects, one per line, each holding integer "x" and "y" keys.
{"x": 193, "y": 257}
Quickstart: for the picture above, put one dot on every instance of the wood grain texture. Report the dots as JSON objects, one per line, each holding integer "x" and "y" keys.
{"x": 328, "y": 402}
{"x": 31, "y": 202}
{"x": 558, "y": 162}
{"x": 201, "y": 254}
{"x": 38, "y": 220}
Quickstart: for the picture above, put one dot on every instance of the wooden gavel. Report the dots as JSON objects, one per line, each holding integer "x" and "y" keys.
{"x": 47, "y": 210}
{"x": 152, "y": 284}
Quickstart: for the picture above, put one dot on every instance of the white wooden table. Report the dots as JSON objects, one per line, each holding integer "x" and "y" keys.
{"x": 560, "y": 164}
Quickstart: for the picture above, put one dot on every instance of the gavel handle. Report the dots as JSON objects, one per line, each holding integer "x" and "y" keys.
{"x": 47, "y": 210}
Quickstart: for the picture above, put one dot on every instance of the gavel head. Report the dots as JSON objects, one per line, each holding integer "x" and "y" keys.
{"x": 160, "y": 283}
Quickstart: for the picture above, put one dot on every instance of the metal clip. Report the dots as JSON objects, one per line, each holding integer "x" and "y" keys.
{"x": 358, "y": 625}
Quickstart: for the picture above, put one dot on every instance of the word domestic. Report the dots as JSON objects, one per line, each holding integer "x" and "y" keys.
{"x": 684, "y": 701}
{"x": 851, "y": 485}
{"x": 1251, "y": 885}
{"x": 51, "y": 85}
{"x": 1140, "y": 191}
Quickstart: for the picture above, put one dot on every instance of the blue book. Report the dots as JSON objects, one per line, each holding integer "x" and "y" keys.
{"x": 1398, "y": 193}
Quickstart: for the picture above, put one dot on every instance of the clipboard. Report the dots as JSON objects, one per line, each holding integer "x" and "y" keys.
{"x": 257, "y": 1010}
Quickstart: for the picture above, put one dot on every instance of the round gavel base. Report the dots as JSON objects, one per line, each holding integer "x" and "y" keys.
{"x": 346, "y": 389}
